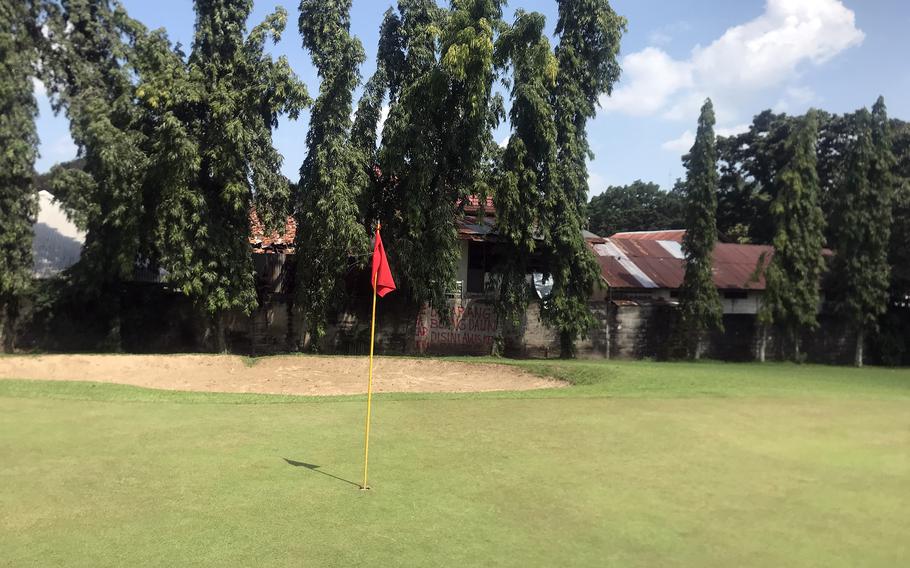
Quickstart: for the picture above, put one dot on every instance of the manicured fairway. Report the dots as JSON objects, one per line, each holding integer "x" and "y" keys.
{"x": 643, "y": 464}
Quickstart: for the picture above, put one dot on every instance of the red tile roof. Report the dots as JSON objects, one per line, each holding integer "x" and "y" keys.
{"x": 473, "y": 205}
{"x": 274, "y": 243}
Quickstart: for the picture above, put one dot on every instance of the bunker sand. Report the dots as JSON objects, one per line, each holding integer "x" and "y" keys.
{"x": 299, "y": 375}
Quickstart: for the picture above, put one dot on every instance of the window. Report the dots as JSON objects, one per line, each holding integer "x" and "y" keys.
{"x": 477, "y": 256}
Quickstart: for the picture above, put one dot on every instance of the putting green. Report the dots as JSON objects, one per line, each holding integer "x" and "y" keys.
{"x": 646, "y": 465}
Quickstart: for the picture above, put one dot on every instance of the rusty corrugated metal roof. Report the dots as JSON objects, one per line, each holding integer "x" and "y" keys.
{"x": 647, "y": 263}
{"x": 665, "y": 235}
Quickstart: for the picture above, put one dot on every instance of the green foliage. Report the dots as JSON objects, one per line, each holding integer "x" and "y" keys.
{"x": 791, "y": 298}
{"x": 437, "y": 139}
{"x": 207, "y": 122}
{"x": 525, "y": 185}
{"x": 899, "y": 253}
{"x": 18, "y": 150}
{"x": 699, "y": 301}
{"x": 241, "y": 92}
{"x": 333, "y": 176}
{"x": 749, "y": 165}
{"x": 639, "y": 206}
{"x": 90, "y": 76}
{"x": 589, "y": 36}
{"x": 862, "y": 221}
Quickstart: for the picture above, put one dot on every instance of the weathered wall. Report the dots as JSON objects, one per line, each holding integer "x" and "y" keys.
{"x": 156, "y": 319}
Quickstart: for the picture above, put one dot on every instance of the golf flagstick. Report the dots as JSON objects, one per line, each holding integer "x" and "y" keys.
{"x": 366, "y": 435}
{"x": 382, "y": 283}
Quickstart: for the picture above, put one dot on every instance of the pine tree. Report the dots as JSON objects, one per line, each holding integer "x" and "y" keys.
{"x": 525, "y": 184}
{"x": 333, "y": 176}
{"x": 862, "y": 230}
{"x": 700, "y": 305}
{"x": 589, "y": 37}
{"x": 18, "y": 149}
{"x": 792, "y": 277}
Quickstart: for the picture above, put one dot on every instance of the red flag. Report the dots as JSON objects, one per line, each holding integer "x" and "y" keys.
{"x": 381, "y": 275}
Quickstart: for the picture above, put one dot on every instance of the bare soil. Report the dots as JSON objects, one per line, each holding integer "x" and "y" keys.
{"x": 302, "y": 375}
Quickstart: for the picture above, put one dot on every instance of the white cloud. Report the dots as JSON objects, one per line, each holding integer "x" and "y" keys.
{"x": 731, "y": 130}
{"x": 665, "y": 34}
{"x": 795, "y": 99}
{"x": 38, "y": 88}
{"x": 680, "y": 145}
{"x": 738, "y": 67}
{"x": 683, "y": 143}
{"x": 654, "y": 77}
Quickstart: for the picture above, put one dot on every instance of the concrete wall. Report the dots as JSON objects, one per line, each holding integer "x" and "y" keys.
{"x": 156, "y": 319}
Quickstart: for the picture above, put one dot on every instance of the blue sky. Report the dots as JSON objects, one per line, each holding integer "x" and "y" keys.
{"x": 748, "y": 55}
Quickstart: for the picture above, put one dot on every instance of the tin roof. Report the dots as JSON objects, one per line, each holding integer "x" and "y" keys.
{"x": 665, "y": 235}
{"x": 651, "y": 263}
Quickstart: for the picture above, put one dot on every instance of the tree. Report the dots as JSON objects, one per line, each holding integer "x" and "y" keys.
{"x": 437, "y": 138}
{"x": 19, "y": 145}
{"x": 90, "y": 77}
{"x": 589, "y": 37}
{"x": 639, "y": 206}
{"x": 699, "y": 302}
{"x": 862, "y": 226}
{"x": 525, "y": 184}
{"x": 222, "y": 158}
{"x": 749, "y": 166}
{"x": 333, "y": 175}
{"x": 791, "y": 295}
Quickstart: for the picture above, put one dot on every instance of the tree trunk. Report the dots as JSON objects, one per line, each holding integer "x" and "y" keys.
{"x": 762, "y": 343}
{"x": 220, "y": 341}
{"x": 697, "y": 347}
{"x": 566, "y": 345}
{"x": 860, "y": 341}
{"x": 3, "y": 335}
{"x": 113, "y": 340}
{"x": 796, "y": 356}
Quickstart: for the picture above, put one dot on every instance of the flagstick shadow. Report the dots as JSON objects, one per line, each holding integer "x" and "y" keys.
{"x": 314, "y": 467}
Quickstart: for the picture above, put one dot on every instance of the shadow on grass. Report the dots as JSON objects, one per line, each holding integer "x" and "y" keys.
{"x": 314, "y": 467}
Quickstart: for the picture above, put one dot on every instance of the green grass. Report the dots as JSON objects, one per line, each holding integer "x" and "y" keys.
{"x": 640, "y": 464}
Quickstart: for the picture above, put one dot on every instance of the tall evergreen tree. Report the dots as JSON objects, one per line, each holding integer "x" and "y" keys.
{"x": 333, "y": 176}
{"x": 18, "y": 150}
{"x": 792, "y": 277}
{"x": 437, "y": 136}
{"x": 862, "y": 226}
{"x": 90, "y": 77}
{"x": 589, "y": 37}
{"x": 235, "y": 94}
{"x": 525, "y": 185}
{"x": 700, "y": 306}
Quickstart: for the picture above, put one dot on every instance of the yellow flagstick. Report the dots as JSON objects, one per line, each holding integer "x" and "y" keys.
{"x": 366, "y": 437}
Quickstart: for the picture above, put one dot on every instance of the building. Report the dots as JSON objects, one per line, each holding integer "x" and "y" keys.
{"x": 649, "y": 266}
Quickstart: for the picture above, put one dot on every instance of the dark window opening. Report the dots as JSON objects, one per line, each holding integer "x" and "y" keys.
{"x": 477, "y": 257}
